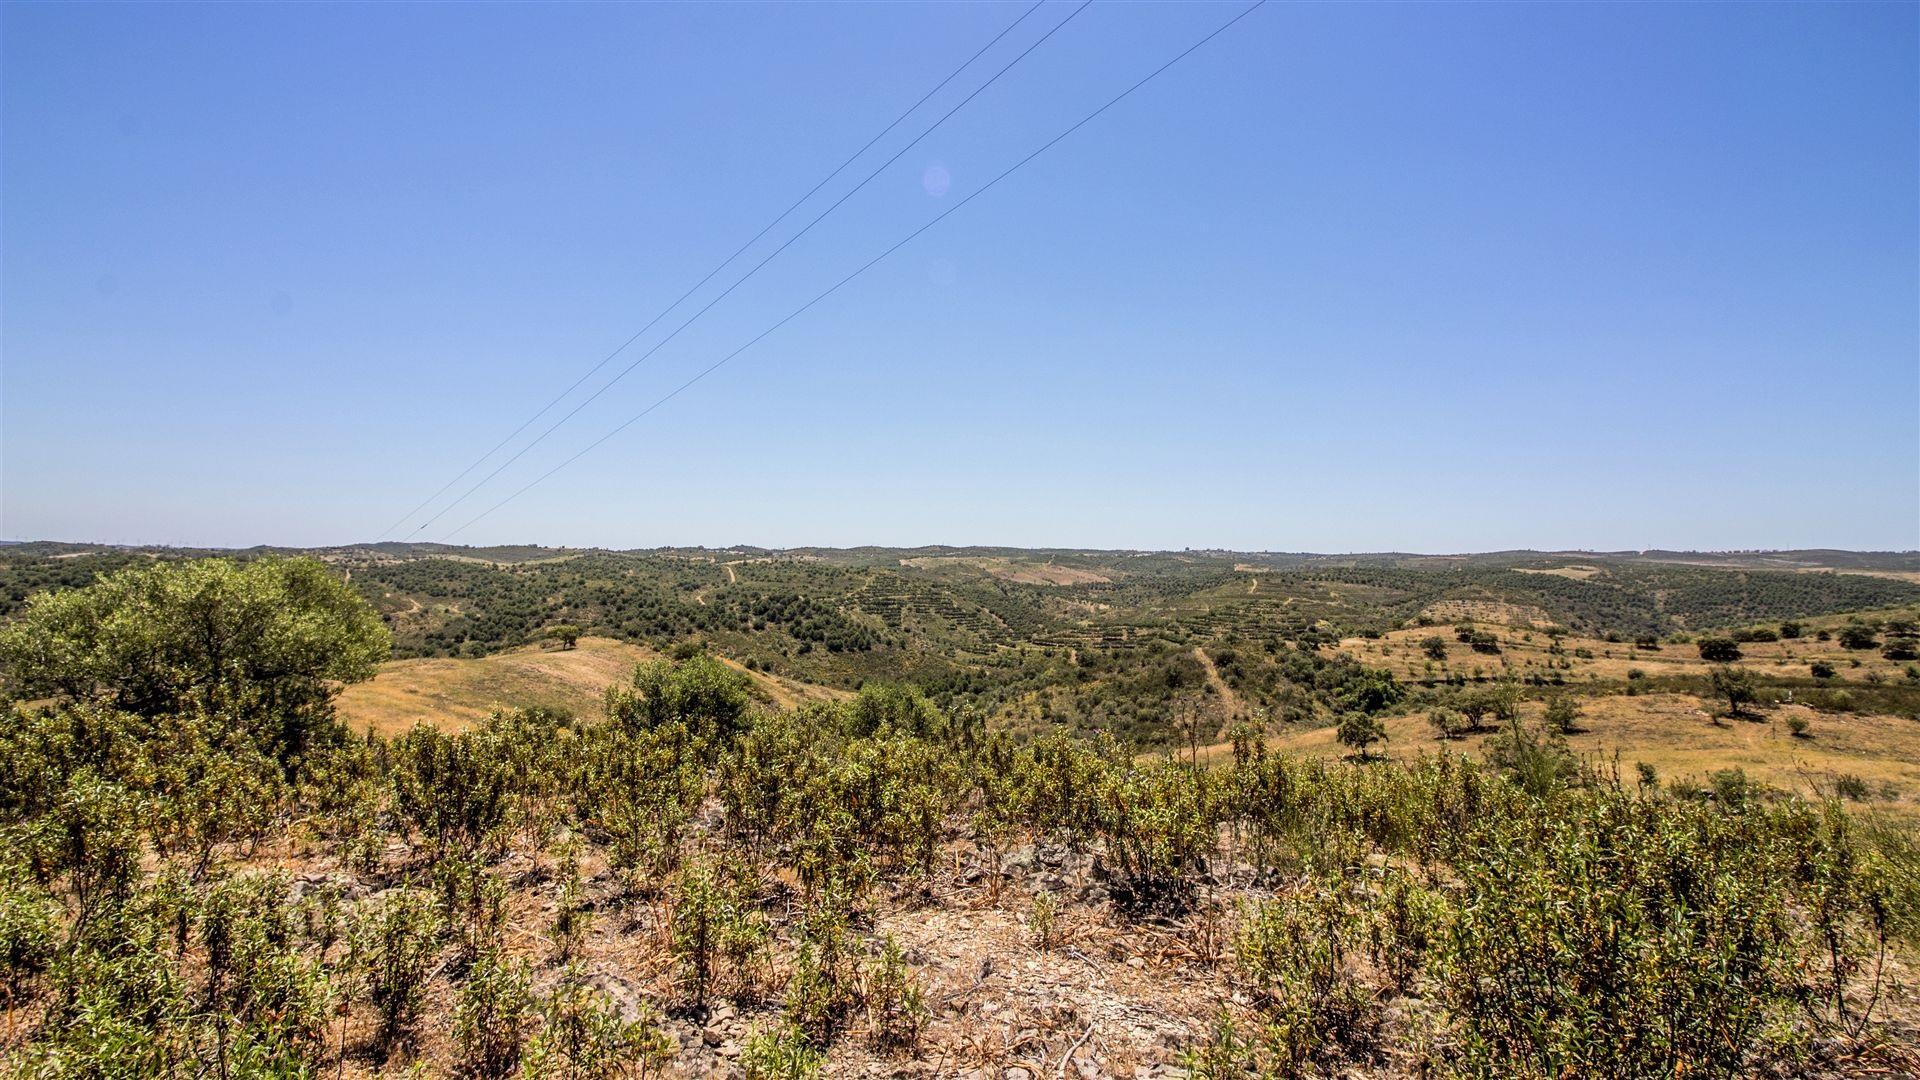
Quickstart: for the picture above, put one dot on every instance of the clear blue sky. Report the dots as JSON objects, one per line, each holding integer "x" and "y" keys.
{"x": 1353, "y": 277}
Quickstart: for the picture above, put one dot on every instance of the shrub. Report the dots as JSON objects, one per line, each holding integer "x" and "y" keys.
{"x": 1799, "y": 727}
{"x": 1820, "y": 669}
{"x": 1539, "y": 765}
{"x": 1561, "y": 715}
{"x": 1043, "y": 917}
{"x": 491, "y": 1018}
{"x": 696, "y": 928}
{"x": 29, "y": 926}
{"x": 781, "y": 1052}
{"x": 1718, "y": 650}
{"x": 1857, "y": 637}
{"x": 583, "y": 1036}
{"x": 1447, "y": 723}
{"x": 394, "y": 946}
{"x": 896, "y": 1002}
{"x": 1295, "y": 953}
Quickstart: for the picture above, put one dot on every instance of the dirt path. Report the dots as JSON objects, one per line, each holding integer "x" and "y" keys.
{"x": 1227, "y": 697}
{"x": 732, "y": 578}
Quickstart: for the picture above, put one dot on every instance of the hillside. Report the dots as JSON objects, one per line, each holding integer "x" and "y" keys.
{"x": 1097, "y": 640}
{"x": 1191, "y": 850}
{"x": 455, "y": 694}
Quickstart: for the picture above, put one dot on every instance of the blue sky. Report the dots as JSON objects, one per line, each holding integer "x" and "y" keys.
{"x": 1352, "y": 277}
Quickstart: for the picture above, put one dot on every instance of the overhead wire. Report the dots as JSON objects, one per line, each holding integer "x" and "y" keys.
{"x": 742, "y": 279}
{"x": 869, "y": 264}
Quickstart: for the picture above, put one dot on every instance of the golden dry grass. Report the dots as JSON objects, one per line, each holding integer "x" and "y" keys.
{"x": 455, "y": 694}
{"x": 1017, "y": 571}
{"x": 1524, "y": 650}
{"x": 1679, "y": 735}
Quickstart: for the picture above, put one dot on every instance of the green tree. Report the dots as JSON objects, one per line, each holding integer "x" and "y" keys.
{"x": 264, "y": 644}
{"x": 1360, "y": 730}
{"x": 567, "y": 634}
{"x": 1857, "y": 637}
{"x": 1719, "y": 650}
{"x": 1734, "y": 684}
{"x": 1562, "y": 715}
{"x": 709, "y": 697}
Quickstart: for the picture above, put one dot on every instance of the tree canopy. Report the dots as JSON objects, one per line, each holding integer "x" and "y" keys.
{"x": 264, "y": 644}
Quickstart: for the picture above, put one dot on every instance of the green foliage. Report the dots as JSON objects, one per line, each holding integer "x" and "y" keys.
{"x": 781, "y": 1052}
{"x": 1734, "y": 684}
{"x": 1562, "y": 714}
{"x": 1718, "y": 650}
{"x": 895, "y": 1000}
{"x": 583, "y": 1036}
{"x": 1655, "y": 947}
{"x": 29, "y": 926}
{"x": 491, "y": 1018}
{"x": 702, "y": 694}
{"x": 1447, "y": 723}
{"x": 1857, "y": 636}
{"x": 261, "y": 644}
{"x": 1549, "y": 920}
{"x": 1360, "y": 730}
{"x": 1539, "y": 764}
{"x": 395, "y": 943}
{"x": 1297, "y": 954}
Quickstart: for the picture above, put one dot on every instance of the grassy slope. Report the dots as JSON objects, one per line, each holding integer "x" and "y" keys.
{"x": 456, "y": 693}
{"x": 1678, "y": 736}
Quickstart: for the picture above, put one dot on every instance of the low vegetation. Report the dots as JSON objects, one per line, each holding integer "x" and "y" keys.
{"x": 206, "y": 873}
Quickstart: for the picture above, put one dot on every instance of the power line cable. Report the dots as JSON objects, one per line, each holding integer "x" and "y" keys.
{"x": 744, "y": 277}
{"x": 869, "y": 264}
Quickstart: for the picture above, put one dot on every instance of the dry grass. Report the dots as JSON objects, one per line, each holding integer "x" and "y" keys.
{"x": 1683, "y": 737}
{"x": 1577, "y": 573}
{"x": 1017, "y": 571}
{"x": 456, "y": 694}
{"x": 1524, "y": 650}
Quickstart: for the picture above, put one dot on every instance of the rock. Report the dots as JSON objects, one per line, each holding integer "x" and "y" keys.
{"x": 1018, "y": 1073}
{"x": 620, "y": 992}
{"x": 1136, "y": 962}
{"x": 713, "y": 1035}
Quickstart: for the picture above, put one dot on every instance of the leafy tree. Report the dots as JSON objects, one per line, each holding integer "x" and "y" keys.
{"x": 1370, "y": 690}
{"x": 1360, "y": 730}
{"x": 709, "y": 697}
{"x": 1857, "y": 637}
{"x": 1719, "y": 650}
{"x": 1435, "y": 647}
{"x": 1900, "y": 648}
{"x": 1447, "y": 723}
{"x": 1734, "y": 684}
{"x": 262, "y": 643}
{"x": 567, "y": 634}
{"x": 1496, "y": 702}
{"x": 1562, "y": 715}
{"x": 1820, "y": 669}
